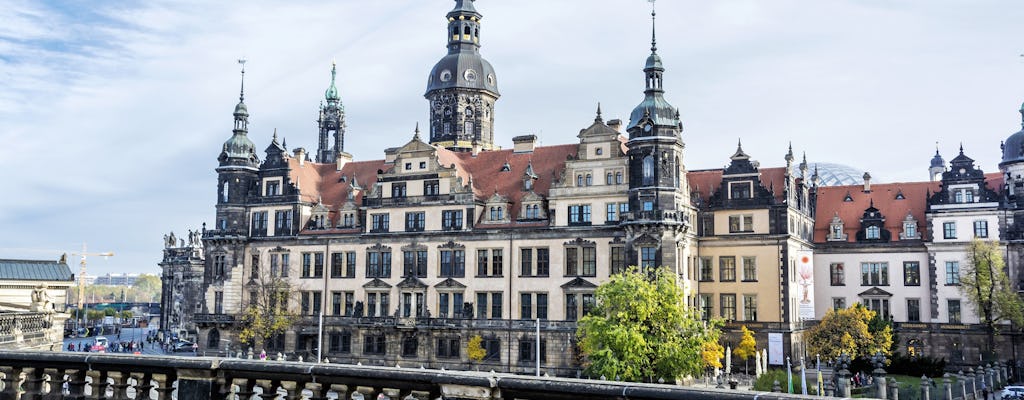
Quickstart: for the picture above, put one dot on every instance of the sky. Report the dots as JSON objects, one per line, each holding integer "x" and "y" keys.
{"x": 113, "y": 113}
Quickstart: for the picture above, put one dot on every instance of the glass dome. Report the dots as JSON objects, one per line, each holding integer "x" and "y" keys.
{"x": 831, "y": 174}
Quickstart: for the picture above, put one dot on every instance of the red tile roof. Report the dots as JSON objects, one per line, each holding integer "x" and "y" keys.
{"x": 324, "y": 182}
{"x": 706, "y": 182}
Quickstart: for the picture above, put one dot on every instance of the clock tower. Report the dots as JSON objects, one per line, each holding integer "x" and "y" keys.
{"x": 462, "y": 87}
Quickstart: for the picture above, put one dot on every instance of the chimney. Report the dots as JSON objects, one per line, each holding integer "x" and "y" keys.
{"x": 476, "y": 148}
{"x": 616, "y": 124}
{"x": 342, "y": 159}
{"x": 300, "y": 153}
{"x": 867, "y": 182}
{"x": 524, "y": 143}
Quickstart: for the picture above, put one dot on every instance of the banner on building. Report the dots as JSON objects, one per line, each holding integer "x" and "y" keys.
{"x": 775, "y": 354}
{"x": 805, "y": 282}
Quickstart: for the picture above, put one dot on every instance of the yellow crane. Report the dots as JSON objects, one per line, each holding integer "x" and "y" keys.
{"x": 81, "y": 278}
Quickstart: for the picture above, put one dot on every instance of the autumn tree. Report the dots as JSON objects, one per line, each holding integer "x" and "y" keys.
{"x": 711, "y": 354}
{"x": 846, "y": 331}
{"x": 985, "y": 284}
{"x": 747, "y": 347}
{"x": 267, "y": 313}
{"x": 475, "y": 349}
{"x": 642, "y": 329}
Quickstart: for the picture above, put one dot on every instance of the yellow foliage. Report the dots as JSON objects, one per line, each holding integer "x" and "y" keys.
{"x": 475, "y": 349}
{"x": 748, "y": 346}
{"x": 712, "y": 353}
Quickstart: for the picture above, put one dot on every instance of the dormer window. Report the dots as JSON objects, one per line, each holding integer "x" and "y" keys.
{"x": 497, "y": 213}
{"x": 431, "y": 187}
{"x": 910, "y": 228}
{"x": 740, "y": 190}
{"x": 962, "y": 196}
{"x": 836, "y": 229}
{"x": 348, "y": 220}
{"x": 273, "y": 188}
{"x": 398, "y": 190}
{"x": 872, "y": 232}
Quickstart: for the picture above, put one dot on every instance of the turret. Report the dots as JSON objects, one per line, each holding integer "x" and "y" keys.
{"x": 937, "y": 166}
{"x": 331, "y": 123}
{"x": 238, "y": 165}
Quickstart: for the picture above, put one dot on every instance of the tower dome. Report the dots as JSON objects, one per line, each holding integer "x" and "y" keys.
{"x": 1013, "y": 148}
{"x": 937, "y": 161}
{"x": 654, "y": 104}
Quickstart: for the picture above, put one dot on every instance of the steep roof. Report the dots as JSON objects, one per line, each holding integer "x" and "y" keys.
{"x": 35, "y": 270}
{"x": 325, "y": 183}
{"x": 704, "y": 183}
{"x": 832, "y": 201}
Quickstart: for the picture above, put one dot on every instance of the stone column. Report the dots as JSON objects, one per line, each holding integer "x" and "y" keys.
{"x": 1002, "y": 373}
{"x": 963, "y": 384}
{"x": 989, "y": 376}
{"x": 979, "y": 380}
{"x": 879, "y": 374}
{"x": 894, "y": 390}
{"x": 947, "y": 387}
{"x": 971, "y": 377}
{"x": 926, "y": 393}
{"x": 830, "y": 389}
{"x": 843, "y": 376}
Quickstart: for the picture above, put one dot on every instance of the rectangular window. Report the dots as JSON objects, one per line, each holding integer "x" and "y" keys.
{"x": 589, "y": 261}
{"x": 572, "y": 261}
{"x": 528, "y": 351}
{"x": 579, "y": 214}
{"x": 398, "y": 190}
{"x": 374, "y": 344}
{"x": 451, "y": 220}
{"x": 749, "y": 269}
{"x": 981, "y": 229}
{"x": 911, "y": 273}
{"x": 304, "y": 302}
{"x": 318, "y": 265}
{"x": 880, "y": 306}
{"x": 497, "y": 262}
{"x": 409, "y": 346}
{"x": 727, "y": 268}
{"x": 542, "y": 305}
{"x": 415, "y": 221}
{"x": 706, "y": 272}
{"x": 307, "y": 265}
{"x": 282, "y": 222}
{"x": 954, "y": 311}
{"x": 453, "y": 263}
{"x": 336, "y": 303}
{"x": 496, "y": 302}
{"x": 350, "y": 264}
{"x": 648, "y": 258}
{"x": 219, "y": 265}
{"x": 704, "y": 303}
{"x": 218, "y": 302}
{"x": 275, "y": 264}
{"x": 350, "y": 303}
{"x": 874, "y": 274}
{"x": 570, "y": 307}
{"x": 837, "y": 272}
{"x": 913, "y": 310}
{"x": 952, "y": 273}
{"x": 492, "y": 346}
{"x": 543, "y": 262}
{"x": 483, "y": 311}
{"x": 431, "y": 188}
{"x": 273, "y": 188}
{"x": 618, "y": 259}
{"x": 728, "y": 302}
{"x": 378, "y": 264}
{"x": 739, "y": 190}
{"x": 749, "y": 307}
{"x": 448, "y": 347}
{"x": 414, "y": 263}
{"x": 741, "y": 223}
{"x": 526, "y": 262}
{"x": 611, "y": 212}
{"x": 338, "y": 265}
{"x": 340, "y": 342}
{"x": 381, "y": 223}
{"x": 371, "y": 304}
{"x": 526, "y": 306}
{"x": 838, "y": 303}
{"x": 949, "y": 230}
{"x": 259, "y": 223}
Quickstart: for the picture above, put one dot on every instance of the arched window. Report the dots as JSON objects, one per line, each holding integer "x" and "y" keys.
{"x": 648, "y": 170}
{"x": 455, "y": 31}
{"x": 224, "y": 192}
{"x": 465, "y": 30}
{"x": 213, "y": 339}
{"x": 618, "y": 178}
{"x": 676, "y": 171}
{"x": 590, "y": 180}
{"x": 608, "y": 178}
{"x": 579, "y": 180}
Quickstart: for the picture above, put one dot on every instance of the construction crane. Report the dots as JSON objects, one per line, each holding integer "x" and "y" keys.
{"x": 81, "y": 278}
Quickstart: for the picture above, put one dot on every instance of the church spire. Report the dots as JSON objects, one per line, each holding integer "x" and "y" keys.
{"x": 661, "y": 112}
{"x": 331, "y": 142}
{"x": 238, "y": 147}
{"x": 654, "y": 40}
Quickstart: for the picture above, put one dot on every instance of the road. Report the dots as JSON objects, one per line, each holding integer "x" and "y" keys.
{"x": 127, "y": 335}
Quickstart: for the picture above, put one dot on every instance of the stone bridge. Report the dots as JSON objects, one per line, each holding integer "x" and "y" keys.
{"x": 52, "y": 375}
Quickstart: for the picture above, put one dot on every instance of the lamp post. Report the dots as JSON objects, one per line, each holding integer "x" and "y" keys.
{"x": 81, "y": 281}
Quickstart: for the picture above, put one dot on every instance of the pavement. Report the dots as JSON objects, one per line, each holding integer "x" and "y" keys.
{"x": 126, "y": 335}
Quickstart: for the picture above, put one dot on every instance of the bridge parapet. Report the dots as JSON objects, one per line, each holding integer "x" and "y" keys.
{"x": 89, "y": 376}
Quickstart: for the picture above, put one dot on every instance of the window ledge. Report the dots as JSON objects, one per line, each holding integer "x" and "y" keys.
{"x": 749, "y": 280}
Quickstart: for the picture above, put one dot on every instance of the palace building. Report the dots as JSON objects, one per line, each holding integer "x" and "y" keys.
{"x": 451, "y": 235}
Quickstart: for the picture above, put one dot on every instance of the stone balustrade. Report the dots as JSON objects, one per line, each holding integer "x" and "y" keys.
{"x": 57, "y": 375}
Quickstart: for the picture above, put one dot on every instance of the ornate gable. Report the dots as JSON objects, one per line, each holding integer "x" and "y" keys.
{"x": 872, "y": 226}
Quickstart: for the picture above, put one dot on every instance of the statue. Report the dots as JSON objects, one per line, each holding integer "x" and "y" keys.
{"x": 165, "y": 242}
{"x": 171, "y": 240}
{"x": 41, "y": 299}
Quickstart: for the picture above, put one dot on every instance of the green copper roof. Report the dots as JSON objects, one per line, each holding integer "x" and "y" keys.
{"x": 34, "y": 270}
{"x": 332, "y": 91}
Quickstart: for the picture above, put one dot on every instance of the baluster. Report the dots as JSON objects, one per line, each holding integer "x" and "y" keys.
{"x": 33, "y": 386}
{"x": 316, "y": 389}
{"x": 164, "y": 386}
{"x": 391, "y": 394}
{"x": 293, "y": 389}
{"x": 120, "y": 384}
{"x": 53, "y": 388}
{"x": 76, "y": 385}
{"x": 340, "y": 390}
{"x": 99, "y": 384}
{"x": 269, "y": 389}
{"x": 143, "y": 386}
{"x": 11, "y": 381}
{"x": 246, "y": 389}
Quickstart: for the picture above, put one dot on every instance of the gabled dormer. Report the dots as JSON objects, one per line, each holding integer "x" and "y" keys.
{"x": 599, "y": 141}
{"x": 910, "y": 229}
{"x": 496, "y": 210}
{"x": 872, "y": 226}
{"x": 741, "y": 184}
{"x": 533, "y": 207}
{"x": 319, "y": 216}
{"x": 963, "y": 185}
{"x": 837, "y": 230}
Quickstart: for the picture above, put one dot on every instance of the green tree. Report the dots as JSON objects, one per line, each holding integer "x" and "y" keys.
{"x": 747, "y": 347}
{"x": 642, "y": 329}
{"x": 847, "y": 331}
{"x": 146, "y": 288}
{"x": 267, "y": 313}
{"x": 985, "y": 284}
{"x": 475, "y": 349}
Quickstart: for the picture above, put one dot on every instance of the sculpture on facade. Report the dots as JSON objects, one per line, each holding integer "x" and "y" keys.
{"x": 41, "y": 299}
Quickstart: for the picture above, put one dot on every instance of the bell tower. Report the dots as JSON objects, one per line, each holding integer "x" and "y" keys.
{"x": 331, "y": 123}
{"x": 462, "y": 87}
{"x": 237, "y": 169}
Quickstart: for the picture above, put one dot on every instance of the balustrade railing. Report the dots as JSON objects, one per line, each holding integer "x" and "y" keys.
{"x": 52, "y": 375}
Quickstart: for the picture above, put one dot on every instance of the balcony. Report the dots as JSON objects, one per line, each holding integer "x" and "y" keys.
{"x": 60, "y": 375}
{"x": 213, "y": 319}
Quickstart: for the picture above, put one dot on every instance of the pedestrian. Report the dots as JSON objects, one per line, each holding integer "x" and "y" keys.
{"x": 263, "y": 355}
{"x": 984, "y": 390}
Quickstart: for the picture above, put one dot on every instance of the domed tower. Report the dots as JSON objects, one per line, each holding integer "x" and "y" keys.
{"x": 332, "y": 123}
{"x": 659, "y": 201}
{"x": 462, "y": 87}
{"x": 1012, "y": 165}
{"x": 236, "y": 173}
{"x": 937, "y": 166}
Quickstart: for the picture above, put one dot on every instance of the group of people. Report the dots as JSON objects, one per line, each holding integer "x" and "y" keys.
{"x": 861, "y": 379}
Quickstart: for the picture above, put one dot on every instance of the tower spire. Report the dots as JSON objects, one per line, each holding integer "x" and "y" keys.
{"x": 654, "y": 41}
{"x": 241, "y": 92}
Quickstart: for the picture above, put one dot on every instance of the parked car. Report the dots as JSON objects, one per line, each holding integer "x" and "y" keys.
{"x": 183, "y": 346}
{"x": 1012, "y": 392}
{"x": 100, "y": 344}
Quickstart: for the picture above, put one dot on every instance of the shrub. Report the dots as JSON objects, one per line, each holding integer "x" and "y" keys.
{"x": 766, "y": 380}
{"x": 917, "y": 366}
